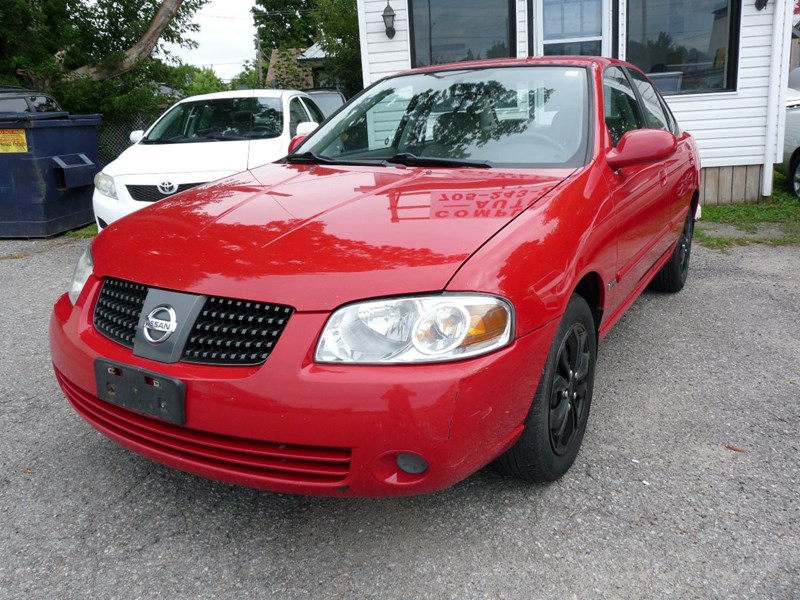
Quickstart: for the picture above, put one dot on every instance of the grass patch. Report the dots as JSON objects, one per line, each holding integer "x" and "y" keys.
{"x": 87, "y": 232}
{"x": 775, "y": 221}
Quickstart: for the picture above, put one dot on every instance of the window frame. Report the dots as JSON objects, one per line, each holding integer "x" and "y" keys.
{"x": 734, "y": 46}
{"x": 605, "y": 36}
{"x": 512, "y": 32}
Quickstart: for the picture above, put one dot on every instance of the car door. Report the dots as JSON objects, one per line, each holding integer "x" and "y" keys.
{"x": 678, "y": 169}
{"x": 638, "y": 191}
{"x": 297, "y": 115}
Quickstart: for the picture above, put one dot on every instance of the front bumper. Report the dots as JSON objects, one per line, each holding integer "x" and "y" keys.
{"x": 294, "y": 426}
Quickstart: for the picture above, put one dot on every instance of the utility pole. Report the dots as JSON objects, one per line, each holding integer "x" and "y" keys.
{"x": 259, "y": 60}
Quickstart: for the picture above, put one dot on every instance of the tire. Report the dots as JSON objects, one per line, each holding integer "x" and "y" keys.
{"x": 559, "y": 412}
{"x": 672, "y": 276}
{"x": 794, "y": 177}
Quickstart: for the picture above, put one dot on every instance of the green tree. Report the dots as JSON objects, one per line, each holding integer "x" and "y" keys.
{"x": 248, "y": 78}
{"x": 95, "y": 55}
{"x": 337, "y": 26}
{"x": 203, "y": 81}
{"x": 44, "y": 41}
{"x": 284, "y": 24}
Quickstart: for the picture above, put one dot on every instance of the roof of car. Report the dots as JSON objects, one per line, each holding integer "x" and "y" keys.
{"x": 263, "y": 93}
{"x": 577, "y": 61}
{"x": 12, "y": 90}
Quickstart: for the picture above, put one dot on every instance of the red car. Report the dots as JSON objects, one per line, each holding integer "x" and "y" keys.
{"x": 416, "y": 291}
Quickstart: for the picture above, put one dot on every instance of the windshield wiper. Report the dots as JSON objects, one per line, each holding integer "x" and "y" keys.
{"x": 317, "y": 159}
{"x": 180, "y": 140}
{"x": 412, "y": 160}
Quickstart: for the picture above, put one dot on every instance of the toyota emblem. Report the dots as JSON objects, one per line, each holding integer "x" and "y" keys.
{"x": 160, "y": 324}
{"x": 167, "y": 187}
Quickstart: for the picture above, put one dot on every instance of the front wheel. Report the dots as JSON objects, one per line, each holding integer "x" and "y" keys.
{"x": 557, "y": 418}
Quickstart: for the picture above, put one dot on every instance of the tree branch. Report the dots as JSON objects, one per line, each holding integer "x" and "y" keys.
{"x": 140, "y": 50}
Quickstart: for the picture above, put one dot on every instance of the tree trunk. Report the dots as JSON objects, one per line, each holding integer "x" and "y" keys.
{"x": 141, "y": 50}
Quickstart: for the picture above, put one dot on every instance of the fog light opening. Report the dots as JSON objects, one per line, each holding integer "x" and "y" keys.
{"x": 412, "y": 464}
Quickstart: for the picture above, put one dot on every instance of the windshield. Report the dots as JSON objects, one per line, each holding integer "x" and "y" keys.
{"x": 219, "y": 119}
{"x": 504, "y": 116}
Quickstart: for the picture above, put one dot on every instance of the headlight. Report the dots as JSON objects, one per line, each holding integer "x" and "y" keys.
{"x": 416, "y": 329}
{"x": 105, "y": 185}
{"x": 82, "y": 272}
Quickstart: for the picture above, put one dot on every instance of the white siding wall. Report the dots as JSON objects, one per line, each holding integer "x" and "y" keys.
{"x": 731, "y": 128}
{"x": 381, "y": 56}
{"x": 522, "y": 28}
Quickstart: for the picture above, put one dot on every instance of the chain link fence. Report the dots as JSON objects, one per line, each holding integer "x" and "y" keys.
{"x": 113, "y": 136}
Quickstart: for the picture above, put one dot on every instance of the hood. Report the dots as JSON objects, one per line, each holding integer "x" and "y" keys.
{"x": 315, "y": 237}
{"x": 219, "y": 158}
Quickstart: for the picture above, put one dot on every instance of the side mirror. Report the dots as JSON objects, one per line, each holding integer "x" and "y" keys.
{"x": 303, "y": 130}
{"x": 296, "y": 141}
{"x": 135, "y": 136}
{"x": 641, "y": 146}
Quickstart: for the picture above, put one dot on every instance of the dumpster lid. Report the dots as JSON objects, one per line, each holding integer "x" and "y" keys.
{"x": 16, "y": 117}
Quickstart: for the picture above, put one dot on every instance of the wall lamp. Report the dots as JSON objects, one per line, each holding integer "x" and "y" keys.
{"x": 761, "y": 4}
{"x": 388, "y": 20}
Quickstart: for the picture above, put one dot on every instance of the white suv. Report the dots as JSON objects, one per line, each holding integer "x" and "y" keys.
{"x": 200, "y": 139}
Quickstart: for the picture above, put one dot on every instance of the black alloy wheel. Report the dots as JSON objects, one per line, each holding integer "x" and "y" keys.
{"x": 568, "y": 396}
{"x": 557, "y": 417}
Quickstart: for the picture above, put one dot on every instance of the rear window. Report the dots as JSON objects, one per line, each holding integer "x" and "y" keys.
{"x": 44, "y": 104}
{"x": 13, "y": 105}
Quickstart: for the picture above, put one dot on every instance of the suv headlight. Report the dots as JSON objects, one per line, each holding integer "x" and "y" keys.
{"x": 81, "y": 275}
{"x": 416, "y": 329}
{"x": 105, "y": 185}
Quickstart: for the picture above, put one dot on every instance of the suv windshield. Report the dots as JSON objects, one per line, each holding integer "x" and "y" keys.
{"x": 503, "y": 116}
{"x": 219, "y": 119}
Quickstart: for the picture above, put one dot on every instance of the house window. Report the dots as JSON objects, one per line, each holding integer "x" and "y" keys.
{"x": 445, "y": 31}
{"x": 685, "y": 46}
{"x": 572, "y": 27}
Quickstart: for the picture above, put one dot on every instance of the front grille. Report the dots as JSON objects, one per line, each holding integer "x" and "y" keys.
{"x": 227, "y": 331}
{"x": 235, "y": 332}
{"x": 259, "y": 462}
{"x": 116, "y": 314}
{"x": 150, "y": 193}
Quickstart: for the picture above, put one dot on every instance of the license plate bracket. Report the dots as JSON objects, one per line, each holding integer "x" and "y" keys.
{"x": 148, "y": 393}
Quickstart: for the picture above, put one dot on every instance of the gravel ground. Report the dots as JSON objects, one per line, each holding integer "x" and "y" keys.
{"x": 687, "y": 485}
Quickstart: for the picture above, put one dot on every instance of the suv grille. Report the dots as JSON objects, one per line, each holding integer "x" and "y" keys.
{"x": 150, "y": 193}
{"x": 226, "y": 332}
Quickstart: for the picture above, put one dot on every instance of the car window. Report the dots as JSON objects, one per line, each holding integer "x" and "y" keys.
{"x": 313, "y": 110}
{"x": 268, "y": 119}
{"x": 221, "y": 119}
{"x": 328, "y": 102}
{"x": 297, "y": 115}
{"x": 653, "y": 111}
{"x": 44, "y": 104}
{"x": 13, "y": 105}
{"x": 522, "y": 117}
{"x": 620, "y": 108}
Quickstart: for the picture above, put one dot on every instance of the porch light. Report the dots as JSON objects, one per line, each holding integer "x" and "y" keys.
{"x": 388, "y": 20}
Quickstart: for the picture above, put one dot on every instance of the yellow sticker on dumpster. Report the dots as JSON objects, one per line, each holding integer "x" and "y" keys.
{"x": 13, "y": 140}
